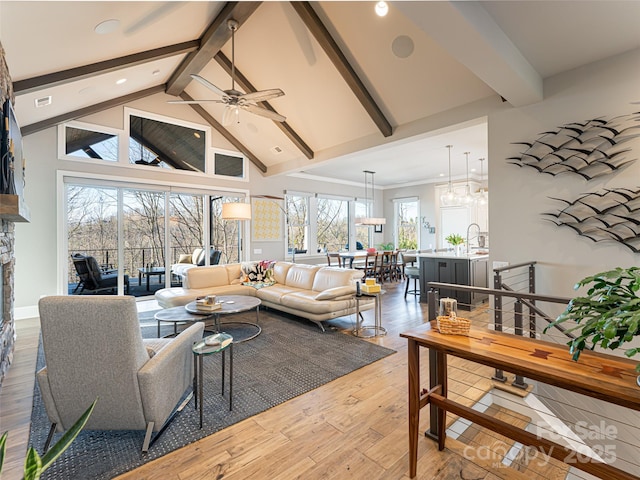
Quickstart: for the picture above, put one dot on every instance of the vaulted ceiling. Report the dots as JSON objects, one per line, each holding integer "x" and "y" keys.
{"x": 358, "y": 87}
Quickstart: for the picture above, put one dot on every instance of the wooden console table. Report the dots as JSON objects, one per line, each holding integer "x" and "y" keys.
{"x": 606, "y": 377}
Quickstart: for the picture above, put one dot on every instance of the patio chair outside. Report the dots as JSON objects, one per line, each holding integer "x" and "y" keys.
{"x": 94, "y": 279}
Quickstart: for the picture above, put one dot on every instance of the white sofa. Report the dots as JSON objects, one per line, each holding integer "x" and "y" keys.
{"x": 313, "y": 292}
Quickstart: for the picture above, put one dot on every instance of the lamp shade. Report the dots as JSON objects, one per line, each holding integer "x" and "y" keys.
{"x": 236, "y": 211}
{"x": 371, "y": 221}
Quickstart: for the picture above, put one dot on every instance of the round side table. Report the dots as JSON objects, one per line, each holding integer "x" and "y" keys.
{"x": 220, "y": 343}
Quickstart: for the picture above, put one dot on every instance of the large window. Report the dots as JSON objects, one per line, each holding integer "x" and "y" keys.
{"x": 84, "y": 142}
{"x": 297, "y": 208}
{"x": 154, "y": 143}
{"x": 363, "y": 232}
{"x": 407, "y": 224}
{"x": 333, "y": 225}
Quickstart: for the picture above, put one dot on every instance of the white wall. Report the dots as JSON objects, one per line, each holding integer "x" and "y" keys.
{"x": 518, "y": 196}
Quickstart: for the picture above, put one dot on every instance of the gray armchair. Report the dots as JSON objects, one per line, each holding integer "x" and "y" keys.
{"x": 93, "y": 347}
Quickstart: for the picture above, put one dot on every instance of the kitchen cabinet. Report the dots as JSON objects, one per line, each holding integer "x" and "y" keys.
{"x": 470, "y": 270}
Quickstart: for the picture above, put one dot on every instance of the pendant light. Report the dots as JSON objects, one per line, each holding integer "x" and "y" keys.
{"x": 482, "y": 193}
{"x": 449, "y": 197}
{"x": 467, "y": 199}
{"x": 369, "y": 219}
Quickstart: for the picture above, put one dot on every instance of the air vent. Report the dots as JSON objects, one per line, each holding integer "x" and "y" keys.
{"x": 277, "y": 150}
{"x": 43, "y": 102}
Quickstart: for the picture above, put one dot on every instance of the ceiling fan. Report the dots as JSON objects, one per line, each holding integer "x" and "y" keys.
{"x": 234, "y": 99}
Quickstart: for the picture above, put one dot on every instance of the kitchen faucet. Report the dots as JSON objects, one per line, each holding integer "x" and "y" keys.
{"x": 469, "y": 238}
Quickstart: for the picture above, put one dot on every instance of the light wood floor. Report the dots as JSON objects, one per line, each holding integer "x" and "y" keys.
{"x": 353, "y": 427}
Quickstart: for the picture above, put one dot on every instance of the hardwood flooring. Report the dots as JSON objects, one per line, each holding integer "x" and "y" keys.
{"x": 354, "y": 427}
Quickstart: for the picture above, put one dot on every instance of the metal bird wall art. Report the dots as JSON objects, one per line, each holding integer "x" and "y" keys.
{"x": 608, "y": 215}
{"x": 590, "y": 149}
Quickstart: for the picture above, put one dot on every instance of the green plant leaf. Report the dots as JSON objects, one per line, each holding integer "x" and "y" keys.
{"x": 32, "y": 465}
{"x": 3, "y": 448}
{"x": 69, "y": 436}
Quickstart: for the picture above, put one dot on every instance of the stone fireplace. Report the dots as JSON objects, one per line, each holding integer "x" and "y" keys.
{"x": 7, "y": 322}
{"x": 7, "y": 255}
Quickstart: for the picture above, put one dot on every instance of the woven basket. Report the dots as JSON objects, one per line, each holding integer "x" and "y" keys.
{"x": 453, "y": 325}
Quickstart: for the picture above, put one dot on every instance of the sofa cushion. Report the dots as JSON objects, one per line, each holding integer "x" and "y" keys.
{"x": 280, "y": 270}
{"x": 274, "y": 293}
{"x": 305, "y": 301}
{"x": 234, "y": 273}
{"x": 301, "y": 276}
{"x": 336, "y": 292}
{"x": 206, "y": 277}
{"x": 331, "y": 277}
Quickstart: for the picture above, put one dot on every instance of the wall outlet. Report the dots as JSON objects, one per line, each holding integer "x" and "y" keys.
{"x": 257, "y": 251}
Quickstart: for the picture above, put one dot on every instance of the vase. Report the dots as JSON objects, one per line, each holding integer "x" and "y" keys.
{"x": 458, "y": 250}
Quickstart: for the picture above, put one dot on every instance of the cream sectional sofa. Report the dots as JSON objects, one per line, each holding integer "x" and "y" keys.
{"x": 313, "y": 292}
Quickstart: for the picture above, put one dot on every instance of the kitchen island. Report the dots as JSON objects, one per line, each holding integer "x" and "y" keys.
{"x": 470, "y": 269}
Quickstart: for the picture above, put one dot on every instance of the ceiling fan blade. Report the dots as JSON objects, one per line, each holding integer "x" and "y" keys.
{"x": 192, "y": 102}
{"x": 230, "y": 115}
{"x": 209, "y": 85}
{"x": 264, "y": 112}
{"x": 262, "y": 95}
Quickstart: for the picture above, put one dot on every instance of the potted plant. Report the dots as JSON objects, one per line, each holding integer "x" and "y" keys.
{"x": 608, "y": 315}
{"x": 455, "y": 240}
{"x": 386, "y": 246}
{"x": 34, "y": 465}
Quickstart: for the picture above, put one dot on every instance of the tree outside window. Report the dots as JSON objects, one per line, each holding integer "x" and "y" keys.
{"x": 407, "y": 224}
{"x": 297, "y": 208}
{"x": 333, "y": 224}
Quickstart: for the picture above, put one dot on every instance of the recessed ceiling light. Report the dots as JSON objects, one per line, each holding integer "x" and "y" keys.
{"x": 108, "y": 26}
{"x": 442, "y": 174}
{"x": 473, "y": 169}
{"x": 121, "y": 81}
{"x": 155, "y": 72}
{"x": 43, "y": 102}
{"x": 382, "y": 9}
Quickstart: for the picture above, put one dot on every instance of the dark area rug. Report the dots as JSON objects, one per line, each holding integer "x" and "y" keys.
{"x": 290, "y": 357}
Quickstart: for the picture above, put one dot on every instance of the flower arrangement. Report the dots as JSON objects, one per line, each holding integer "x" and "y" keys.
{"x": 454, "y": 239}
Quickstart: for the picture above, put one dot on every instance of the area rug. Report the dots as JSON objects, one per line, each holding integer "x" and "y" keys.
{"x": 290, "y": 357}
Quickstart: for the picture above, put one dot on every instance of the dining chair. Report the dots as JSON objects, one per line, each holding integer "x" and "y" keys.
{"x": 334, "y": 256}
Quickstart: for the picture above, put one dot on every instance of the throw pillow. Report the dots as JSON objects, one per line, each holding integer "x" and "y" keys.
{"x": 185, "y": 258}
{"x": 261, "y": 271}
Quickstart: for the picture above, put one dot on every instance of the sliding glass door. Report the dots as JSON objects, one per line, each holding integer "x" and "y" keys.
{"x": 92, "y": 232}
{"x": 144, "y": 239}
{"x": 135, "y": 233}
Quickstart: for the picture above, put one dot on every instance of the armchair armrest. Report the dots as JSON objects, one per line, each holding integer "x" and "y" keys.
{"x": 166, "y": 376}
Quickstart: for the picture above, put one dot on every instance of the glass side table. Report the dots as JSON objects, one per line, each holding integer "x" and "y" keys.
{"x": 377, "y": 330}
{"x": 219, "y": 342}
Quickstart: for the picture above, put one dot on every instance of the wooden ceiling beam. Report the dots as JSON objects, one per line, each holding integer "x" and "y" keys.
{"x": 247, "y": 87}
{"x": 41, "y": 82}
{"x": 225, "y": 133}
{"x": 114, "y": 102}
{"x": 316, "y": 27}
{"x": 211, "y": 42}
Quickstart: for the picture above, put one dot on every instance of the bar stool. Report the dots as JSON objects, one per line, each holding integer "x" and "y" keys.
{"x": 411, "y": 273}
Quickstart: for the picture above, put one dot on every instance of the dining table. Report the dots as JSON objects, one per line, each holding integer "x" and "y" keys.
{"x": 352, "y": 256}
